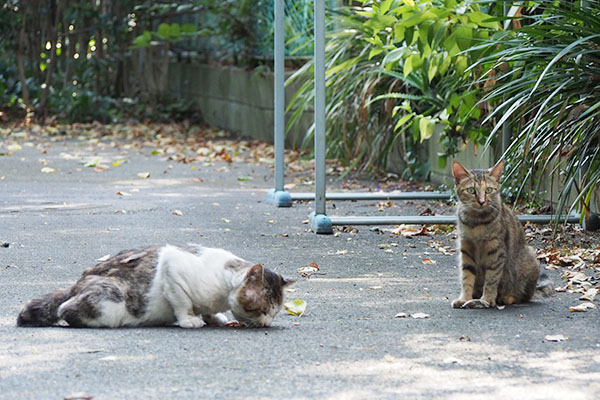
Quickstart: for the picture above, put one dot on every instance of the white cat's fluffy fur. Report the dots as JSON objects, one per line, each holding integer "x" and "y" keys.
{"x": 188, "y": 285}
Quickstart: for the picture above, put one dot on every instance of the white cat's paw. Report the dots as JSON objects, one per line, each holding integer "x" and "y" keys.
{"x": 191, "y": 322}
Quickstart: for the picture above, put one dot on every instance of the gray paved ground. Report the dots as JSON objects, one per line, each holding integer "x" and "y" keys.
{"x": 349, "y": 345}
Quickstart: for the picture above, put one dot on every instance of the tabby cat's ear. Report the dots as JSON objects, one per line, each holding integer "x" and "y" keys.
{"x": 496, "y": 170}
{"x": 459, "y": 171}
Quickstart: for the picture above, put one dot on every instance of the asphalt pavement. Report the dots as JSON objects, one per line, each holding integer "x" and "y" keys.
{"x": 378, "y": 323}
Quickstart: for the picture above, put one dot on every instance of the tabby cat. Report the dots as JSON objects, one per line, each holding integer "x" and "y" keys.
{"x": 188, "y": 285}
{"x": 496, "y": 265}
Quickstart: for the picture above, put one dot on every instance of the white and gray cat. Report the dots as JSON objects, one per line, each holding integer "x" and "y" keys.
{"x": 162, "y": 285}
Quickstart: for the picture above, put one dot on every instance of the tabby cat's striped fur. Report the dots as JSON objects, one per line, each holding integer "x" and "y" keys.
{"x": 496, "y": 265}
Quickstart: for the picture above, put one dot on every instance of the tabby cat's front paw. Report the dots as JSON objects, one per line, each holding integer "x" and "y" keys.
{"x": 191, "y": 322}
{"x": 476, "y": 304}
{"x": 458, "y": 303}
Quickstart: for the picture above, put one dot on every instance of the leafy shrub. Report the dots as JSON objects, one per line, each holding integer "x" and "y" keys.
{"x": 396, "y": 70}
{"x": 542, "y": 81}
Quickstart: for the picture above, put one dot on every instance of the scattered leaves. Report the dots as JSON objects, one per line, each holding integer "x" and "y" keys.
{"x": 295, "y": 307}
{"x": 244, "y": 178}
{"x": 14, "y": 147}
{"x": 428, "y": 261}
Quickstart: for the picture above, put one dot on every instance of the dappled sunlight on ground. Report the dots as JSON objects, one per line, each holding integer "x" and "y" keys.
{"x": 433, "y": 366}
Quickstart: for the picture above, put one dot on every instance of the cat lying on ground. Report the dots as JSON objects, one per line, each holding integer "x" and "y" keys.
{"x": 188, "y": 285}
{"x": 496, "y": 264}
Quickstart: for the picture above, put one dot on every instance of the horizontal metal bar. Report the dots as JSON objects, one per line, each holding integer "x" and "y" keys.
{"x": 435, "y": 219}
{"x": 376, "y": 196}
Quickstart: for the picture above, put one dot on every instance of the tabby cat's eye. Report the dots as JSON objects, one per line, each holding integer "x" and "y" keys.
{"x": 471, "y": 190}
{"x": 489, "y": 190}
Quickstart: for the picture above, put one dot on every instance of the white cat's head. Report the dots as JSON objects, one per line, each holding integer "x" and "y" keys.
{"x": 260, "y": 297}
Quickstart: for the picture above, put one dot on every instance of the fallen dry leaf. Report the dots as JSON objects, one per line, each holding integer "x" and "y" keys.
{"x": 401, "y": 315}
{"x": 295, "y": 307}
{"x": 555, "y": 338}
{"x": 428, "y": 261}
{"x": 79, "y": 396}
{"x": 583, "y": 307}
{"x": 589, "y": 295}
{"x": 419, "y": 315}
{"x": 308, "y": 271}
{"x": 144, "y": 175}
{"x": 48, "y": 170}
{"x": 178, "y": 212}
{"x": 408, "y": 230}
{"x": 14, "y": 147}
{"x": 340, "y": 252}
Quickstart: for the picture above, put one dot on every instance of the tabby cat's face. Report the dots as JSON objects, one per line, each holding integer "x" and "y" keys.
{"x": 260, "y": 298}
{"x": 478, "y": 189}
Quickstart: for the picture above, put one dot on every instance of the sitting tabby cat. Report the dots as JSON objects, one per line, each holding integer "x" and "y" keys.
{"x": 190, "y": 285}
{"x": 496, "y": 265}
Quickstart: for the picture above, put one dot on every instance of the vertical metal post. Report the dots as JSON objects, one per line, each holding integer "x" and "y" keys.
{"x": 319, "y": 221}
{"x": 506, "y": 129}
{"x": 278, "y": 196}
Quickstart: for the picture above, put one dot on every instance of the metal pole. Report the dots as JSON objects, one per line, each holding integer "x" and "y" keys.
{"x": 343, "y": 196}
{"x": 444, "y": 220}
{"x": 320, "y": 223}
{"x": 278, "y": 196}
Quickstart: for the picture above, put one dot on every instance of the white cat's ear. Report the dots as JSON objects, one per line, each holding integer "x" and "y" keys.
{"x": 496, "y": 170}
{"x": 459, "y": 172}
{"x": 256, "y": 274}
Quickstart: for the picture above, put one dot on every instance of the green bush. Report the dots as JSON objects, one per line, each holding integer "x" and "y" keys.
{"x": 396, "y": 70}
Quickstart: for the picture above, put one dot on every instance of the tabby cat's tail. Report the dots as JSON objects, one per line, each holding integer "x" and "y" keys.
{"x": 544, "y": 286}
{"x": 43, "y": 311}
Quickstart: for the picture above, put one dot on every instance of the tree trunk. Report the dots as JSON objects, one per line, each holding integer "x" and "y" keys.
{"x": 54, "y": 35}
{"x": 21, "y": 51}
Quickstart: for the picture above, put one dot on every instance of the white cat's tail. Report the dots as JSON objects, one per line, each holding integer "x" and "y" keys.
{"x": 43, "y": 311}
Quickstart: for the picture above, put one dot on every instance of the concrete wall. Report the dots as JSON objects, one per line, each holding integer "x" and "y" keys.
{"x": 234, "y": 99}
